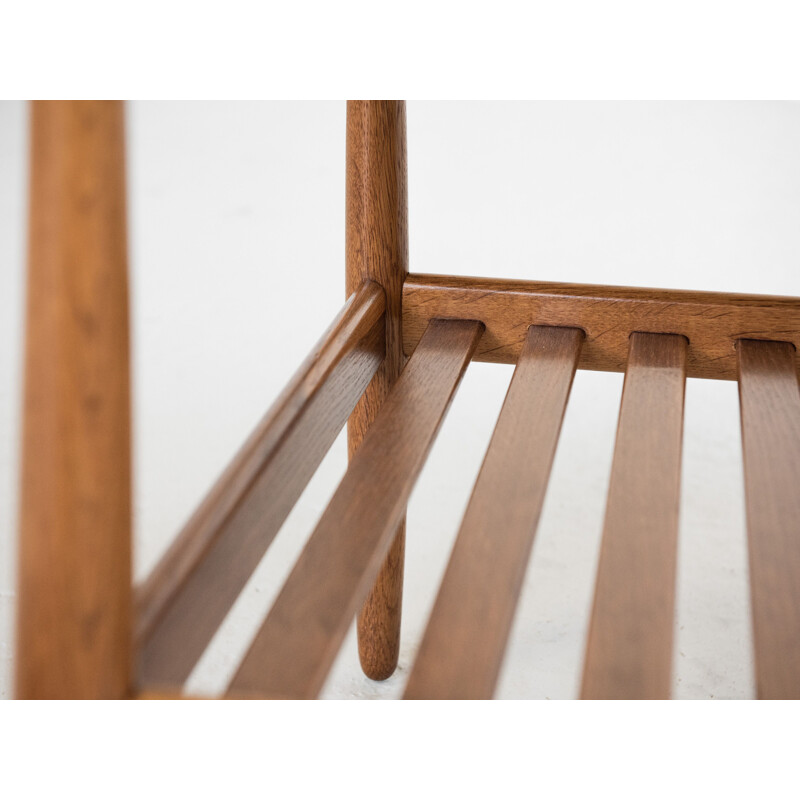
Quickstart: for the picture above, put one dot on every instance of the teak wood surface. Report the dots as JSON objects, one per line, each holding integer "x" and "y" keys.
{"x": 187, "y": 596}
{"x": 770, "y": 409}
{"x": 79, "y": 632}
{"x": 376, "y": 248}
{"x": 463, "y": 646}
{"x": 629, "y": 649}
{"x": 712, "y": 322}
{"x": 74, "y": 584}
{"x": 299, "y": 640}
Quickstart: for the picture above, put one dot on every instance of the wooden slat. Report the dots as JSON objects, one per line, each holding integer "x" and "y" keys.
{"x": 629, "y": 651}
{"x": 463, "y": 646}
{"x": 299, "y": 639}
{"x": 770, "y": 407}
{"x": 712, "y": 321}
{"x": 187, "y": 596}
{"x": 74, "y": 608}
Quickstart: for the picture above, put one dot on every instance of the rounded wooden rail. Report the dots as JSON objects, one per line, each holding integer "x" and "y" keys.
{"x": 186, "y": 597}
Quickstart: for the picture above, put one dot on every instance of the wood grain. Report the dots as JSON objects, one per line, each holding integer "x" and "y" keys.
{"x": 299, "y": 640}
{"x": 629, "y": 651}
{"x": 376, "y": 245}
{"x": 770, "y": 407}
{"x": 74, "y": 603}
{"x": 712, "y": 322}
{"x": 190, "y": 591}
{"x": 463, "y": 646}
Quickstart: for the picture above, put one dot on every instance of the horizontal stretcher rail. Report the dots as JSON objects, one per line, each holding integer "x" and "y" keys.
{"x": 463, "y": 646}
{"x": 770, "y": 409}
{"x": 712, "y": 322}
{"x": 188, "y": 594}
{"x": 298, "y": 642}
{"x": 629, "y": 649}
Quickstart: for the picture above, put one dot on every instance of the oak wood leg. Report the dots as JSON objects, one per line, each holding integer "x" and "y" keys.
{"x": 74, "y": 586}
{"x": 377, "y": 249}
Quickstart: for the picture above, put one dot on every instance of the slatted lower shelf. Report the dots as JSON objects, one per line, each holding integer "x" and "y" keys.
{"x": 629, "y": 647}
{"x": 77, "y": 633}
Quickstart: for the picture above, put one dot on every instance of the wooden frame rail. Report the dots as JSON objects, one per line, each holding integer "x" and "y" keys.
{"x": 712, "y": 322}
{"x": 188, "y": 594}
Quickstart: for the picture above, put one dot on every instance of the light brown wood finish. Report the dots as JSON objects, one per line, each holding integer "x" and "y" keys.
{"x": 187, "y": 596}
{"x": 376, "y": 243}
{"x": 462, "y": 649}
{"x": 770, "y": 407}
{"x": 629, "y": 651}
{"x": 712, "y": 322}
{"x": 74, "y": 604}
{"x": 299, "y": 640}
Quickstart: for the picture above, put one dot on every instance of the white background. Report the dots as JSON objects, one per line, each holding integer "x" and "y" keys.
{"x": 237, "y": 250}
